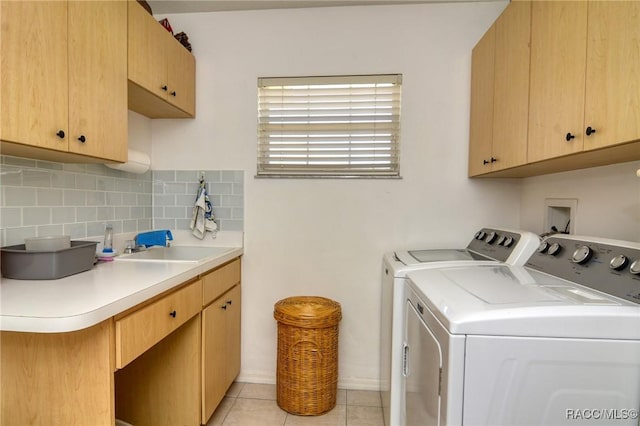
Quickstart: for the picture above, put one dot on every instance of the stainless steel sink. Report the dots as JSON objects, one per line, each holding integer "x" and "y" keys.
{"x": 175, "y": 254}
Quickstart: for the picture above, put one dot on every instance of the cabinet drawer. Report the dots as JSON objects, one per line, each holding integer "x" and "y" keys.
{"x": 145, "y": 327}
{"x": 220, "y": 280}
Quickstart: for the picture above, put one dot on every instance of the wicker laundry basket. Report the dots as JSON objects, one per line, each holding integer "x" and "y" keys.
{"x": 307, "y": 371}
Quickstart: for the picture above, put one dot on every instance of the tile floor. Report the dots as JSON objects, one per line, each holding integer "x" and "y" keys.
{"x": 250, "y": 404}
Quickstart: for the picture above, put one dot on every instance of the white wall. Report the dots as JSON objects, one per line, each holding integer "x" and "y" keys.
{"x": 327, "y": 237}
{"x": 608, "y": 200}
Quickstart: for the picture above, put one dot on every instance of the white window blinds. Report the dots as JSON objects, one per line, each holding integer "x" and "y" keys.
{"x": 340, "y": 126}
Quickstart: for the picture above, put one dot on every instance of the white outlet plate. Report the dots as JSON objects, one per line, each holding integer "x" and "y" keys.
{"x": 559, "y": 212}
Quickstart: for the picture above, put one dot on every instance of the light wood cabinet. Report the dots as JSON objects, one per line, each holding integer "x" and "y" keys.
{"x": 583, "y": 93}
{"x": 58, "y": 378}
{"x": 558, "y": 49}
{"x": 143, "y": 328}
{"x": 161, "y": 71}
{"x": 511, "y": 86}
{"x": 220, "y": 334}
{"x": 500, "y": 93}
{"x": 162, "y": 386}
{"x": 612, "y": 97}
{"x": 63, "y": 85}
{"x": 584, "y": 101}
{"x": 481, "y": 121}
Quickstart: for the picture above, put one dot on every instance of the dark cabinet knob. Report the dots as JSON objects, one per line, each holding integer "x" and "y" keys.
{"x": 223, "y": 307}
{"x": 590, "y": 131}
{"x": 485, "y": 161}
{"x": 229, "y": 302}
{"x": 569, "y": 137}
{"x": 164, "y": 88}
{"x": 173, "y": 93}
{"x": 60, "y": 134}
{"x": 493, "y": 160}
{"x": 173, "y": 314}
{"x": 82, "y": 139}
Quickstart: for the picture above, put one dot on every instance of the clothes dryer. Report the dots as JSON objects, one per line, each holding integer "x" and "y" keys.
{"x": 556, "y": 342}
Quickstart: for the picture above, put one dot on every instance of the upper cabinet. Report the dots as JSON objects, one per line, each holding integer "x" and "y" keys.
{"x": 161, "y": 70}
{"x": 481, "y": 121}
{"x": 500, "y": 93}
{"x": 612, "y": 96}
{"x": 584, "y": 97}
{"x": 558, "y": 49}
{"x": 64, "y": 80}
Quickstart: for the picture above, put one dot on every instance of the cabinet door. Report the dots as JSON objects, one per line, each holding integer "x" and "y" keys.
{"x": 220, "y": 349}
{"x": 558, "y": 55}
{"x": 34, "y": 85}
{"x": 612, "y": 99}
{"x": 181, "y": 74}
{"x": 146, "y": 48}
{"x": 98, "y": 73}
{"x": 481, "y": 119}
{"x": 511, "y": 86}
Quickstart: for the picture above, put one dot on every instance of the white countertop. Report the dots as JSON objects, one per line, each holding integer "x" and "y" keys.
{"x": 85, "y": 299}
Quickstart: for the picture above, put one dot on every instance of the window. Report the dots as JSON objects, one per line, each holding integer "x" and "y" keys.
{"x": 341, "y": 126}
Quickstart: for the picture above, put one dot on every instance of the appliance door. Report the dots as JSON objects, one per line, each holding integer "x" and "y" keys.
{"x": 422, "y": 370}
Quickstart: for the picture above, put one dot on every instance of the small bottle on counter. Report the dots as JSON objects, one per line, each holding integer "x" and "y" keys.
{"x": 108, "y": 240}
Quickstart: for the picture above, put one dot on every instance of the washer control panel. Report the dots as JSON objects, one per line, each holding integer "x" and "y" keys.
{"x": 610, "y": 266}
{"x": 494, "y": 243}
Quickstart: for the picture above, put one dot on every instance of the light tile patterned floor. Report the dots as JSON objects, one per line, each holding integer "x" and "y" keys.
{"x": 250, "y": 404}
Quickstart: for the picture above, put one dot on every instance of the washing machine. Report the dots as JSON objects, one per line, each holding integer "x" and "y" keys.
{"x": 488, "y": 245}
{"x": 556, "y": 342}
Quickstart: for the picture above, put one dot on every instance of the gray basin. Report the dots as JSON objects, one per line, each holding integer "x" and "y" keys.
{"x": 175, "y": 254}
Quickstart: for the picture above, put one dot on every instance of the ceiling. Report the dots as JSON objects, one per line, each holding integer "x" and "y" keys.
{"x": 191, "y": 6}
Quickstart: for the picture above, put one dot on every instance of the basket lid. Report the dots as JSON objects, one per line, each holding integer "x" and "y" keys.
{"x": 308, "y": 311}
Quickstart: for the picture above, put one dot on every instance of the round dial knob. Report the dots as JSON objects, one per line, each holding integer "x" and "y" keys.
{"x": 554, "y": 249}
{"x": 491, "y": 238}
{"x": 508, "y": 242}
{"x": 501, "y": 240}
{"x": 618, "y": 262}
{"x": 481, "y": 235}
{"x": 635, "y": 267}
{"x": 582, "y": 255}
{"x": 543, "y": 247}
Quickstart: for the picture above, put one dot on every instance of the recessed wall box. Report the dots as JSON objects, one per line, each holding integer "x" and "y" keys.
{"x": 560, "y": 213}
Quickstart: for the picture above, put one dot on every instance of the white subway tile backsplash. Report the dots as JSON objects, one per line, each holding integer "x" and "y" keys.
{"x": 48, "y": 198}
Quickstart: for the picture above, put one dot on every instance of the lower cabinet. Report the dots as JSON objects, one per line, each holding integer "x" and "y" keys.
{"x": 220, "y": 349}
{"x": 168, "y": 361}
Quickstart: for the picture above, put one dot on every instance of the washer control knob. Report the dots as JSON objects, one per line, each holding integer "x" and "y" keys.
{"x": 508, "y": 242}
{"x": 480, "y": 235}
{"x": 491, "y": 238}
{"x": 501, "y": 240}
{"x": 582, "y": 255}
{"x": 619, "y": 262}
{"x": 543, "y": 247}
{"x": 635, "y": 267}
{"x": 554, "y": 249}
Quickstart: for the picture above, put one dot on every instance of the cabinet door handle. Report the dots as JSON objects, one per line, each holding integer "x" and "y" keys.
{"x": 485, "y": 161}
{"x": 590, "y": 131}
{"x": 173, "y": 314}
{"x": 223, "y": 307}
{"x": 569, "y": 137}
{"x": 173, "y": 93}
{"x": 82, "y": 139}
{"x": 229, "y": 302}
{"x": 493, "y": 160}
{"x": 164, "y": 88}
{"x": 60, "y": 134}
